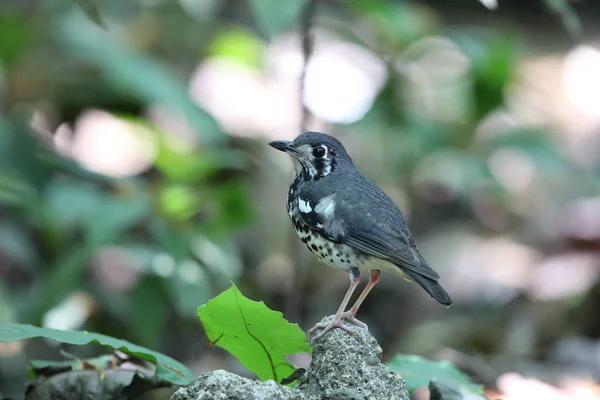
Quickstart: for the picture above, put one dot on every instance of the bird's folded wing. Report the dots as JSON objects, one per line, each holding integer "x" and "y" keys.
{"x": 393, "y": 250}
{"x": 350, "y": 223}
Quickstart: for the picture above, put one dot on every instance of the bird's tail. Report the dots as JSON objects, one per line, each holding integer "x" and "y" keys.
{"x": 431, "y": 286}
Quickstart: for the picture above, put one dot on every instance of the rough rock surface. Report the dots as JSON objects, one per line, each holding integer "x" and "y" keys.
{"x": 349, "y": 367}
{"x": 223, "y": 385}
{"x": 343, "y": 367}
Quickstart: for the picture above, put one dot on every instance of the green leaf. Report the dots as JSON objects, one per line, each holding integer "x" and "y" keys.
{"x": 257, "y": 336}
{"x": 51, "y": 367}
{"x": 443, "y": 389}
{"x": 493, "y": 70}
{"x": 90, "y": 8}
{"x": 167, "y": 368}
{"x": 493, "y": 60}
{"x": 272, "y": 16}
{"x": 418, "y": 371}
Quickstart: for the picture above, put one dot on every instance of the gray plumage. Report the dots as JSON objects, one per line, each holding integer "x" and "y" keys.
{"x": 355, "y": 213}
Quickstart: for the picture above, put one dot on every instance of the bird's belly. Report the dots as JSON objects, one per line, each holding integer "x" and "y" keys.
{"x": 337, "y": 255}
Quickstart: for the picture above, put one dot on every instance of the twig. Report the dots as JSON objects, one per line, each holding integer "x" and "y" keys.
{"x": 308, "y": 15}
{"x": 294, "y": 299}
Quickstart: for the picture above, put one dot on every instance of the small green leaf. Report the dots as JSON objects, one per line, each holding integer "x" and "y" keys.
{"x": 418, "y": 371}
{"x": 167, "y": 368}
{"x": 275, "y": 15}
{"x": 494, "y": 60}
{"x": 257, "y": 336}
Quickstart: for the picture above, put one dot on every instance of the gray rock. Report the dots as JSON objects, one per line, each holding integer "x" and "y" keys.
{"x": 343, "y": 367}
{"x": 346, "y": 367}
{"x": 223, "y": 385}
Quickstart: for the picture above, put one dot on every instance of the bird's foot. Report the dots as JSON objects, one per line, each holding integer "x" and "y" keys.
{"x": 335, "y": 321}
{"x": 350, "y": 316}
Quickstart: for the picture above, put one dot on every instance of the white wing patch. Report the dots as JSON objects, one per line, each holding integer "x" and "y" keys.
{"x": 304, "y": 206}
{"x": 326, "y": 207}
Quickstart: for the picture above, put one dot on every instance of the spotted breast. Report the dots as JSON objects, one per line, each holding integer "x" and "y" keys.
{"x": 337, "y": 255}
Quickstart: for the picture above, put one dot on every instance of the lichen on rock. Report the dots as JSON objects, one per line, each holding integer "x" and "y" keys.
{"x": 348, "y": 366}
{"x": 223, "y": 385}
{"x": 343, "y": 367}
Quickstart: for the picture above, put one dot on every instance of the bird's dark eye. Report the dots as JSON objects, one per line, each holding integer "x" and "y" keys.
{"x": 319, "y": 152}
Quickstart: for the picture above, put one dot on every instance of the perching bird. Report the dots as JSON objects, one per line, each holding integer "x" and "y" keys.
{"x": 349, "y": 223}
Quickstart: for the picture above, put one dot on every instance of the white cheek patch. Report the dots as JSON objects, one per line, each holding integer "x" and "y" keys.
{"x": 304, "y": 206}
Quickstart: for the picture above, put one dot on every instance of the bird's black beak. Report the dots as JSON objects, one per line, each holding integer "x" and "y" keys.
{"x": 285, "y": 146}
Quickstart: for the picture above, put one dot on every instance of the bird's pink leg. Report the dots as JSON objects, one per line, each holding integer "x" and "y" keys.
{"x": 351, "y": 314}
{"x": 339, "y": 315}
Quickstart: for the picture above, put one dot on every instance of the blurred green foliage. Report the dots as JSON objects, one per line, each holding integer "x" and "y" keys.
{"x": 418, "y": 372}
{"x": 208, "y": 211}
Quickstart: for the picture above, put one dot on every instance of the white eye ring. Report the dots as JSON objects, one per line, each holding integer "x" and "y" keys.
{"x": 319, "y": 152}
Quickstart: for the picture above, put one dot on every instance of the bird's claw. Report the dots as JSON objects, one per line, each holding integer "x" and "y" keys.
{"x": 326, "y": 327}
{"x": 349, "y": 316}
{"x": 334, "y": 321}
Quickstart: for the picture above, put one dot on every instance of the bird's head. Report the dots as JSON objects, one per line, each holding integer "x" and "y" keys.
{"x": 316, "y": 155}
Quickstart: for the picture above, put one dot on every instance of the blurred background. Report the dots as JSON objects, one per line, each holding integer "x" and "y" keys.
{"x": 136, "y": 183}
